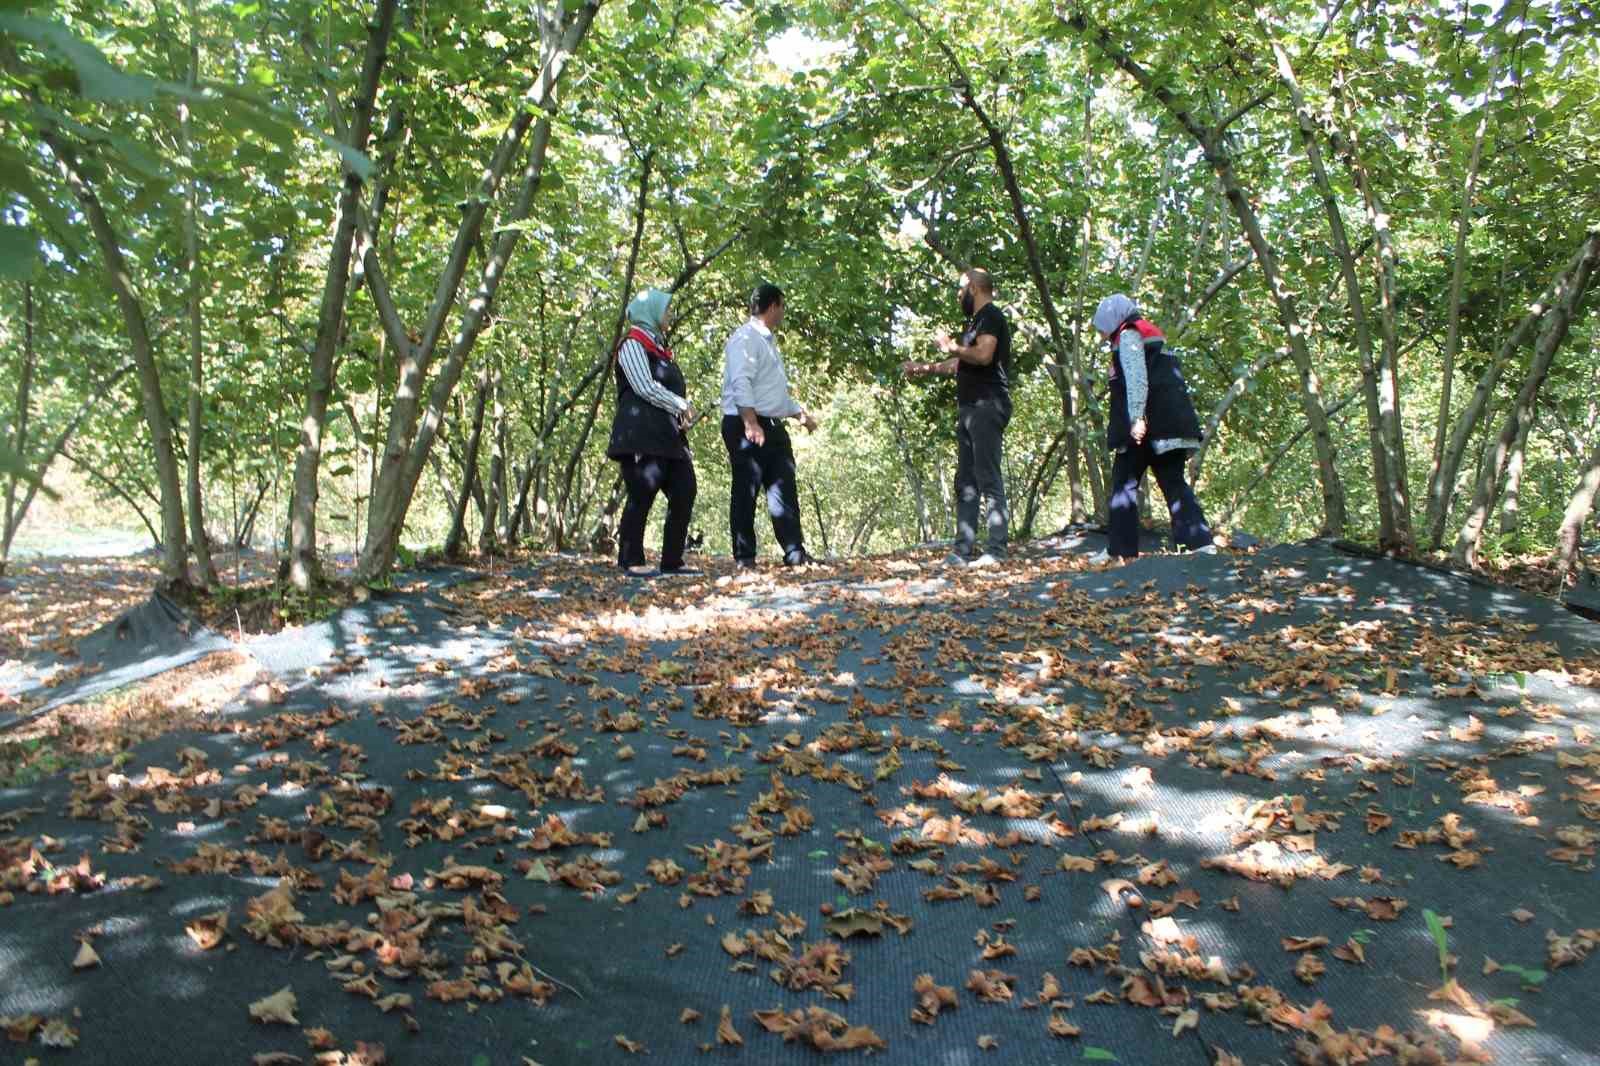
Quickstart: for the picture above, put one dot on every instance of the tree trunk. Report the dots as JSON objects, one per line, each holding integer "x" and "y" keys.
{"x": 305, "y": 569}
{"x": 1551, "y": 335}
{"x": 411, "y": 438}
{"x": 1389, "y": 403}
{"x": 1577, "y": 513}
{"x": 640, "y": 211}
{"x": 1210, "y": 143}
{"x": 1509, "y": 512}
{"x": 174, "y": 547}
{"x": 1382, "y": 476}
{"x": 1452, "y": 339}
{"x": 469, "y": 469}
{"x": 495, "y": 521}
{"x": 1467, "y": 421}
{"x": 191, "y": 243}
{"x": 19, "y": 433}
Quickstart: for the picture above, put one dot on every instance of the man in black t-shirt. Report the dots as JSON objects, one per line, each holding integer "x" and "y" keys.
{"x": 981, "y": 363}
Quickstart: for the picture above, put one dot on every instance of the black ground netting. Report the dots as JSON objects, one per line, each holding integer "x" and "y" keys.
{"x": 148, "y": 639}
{"x": 1235, "y": 737}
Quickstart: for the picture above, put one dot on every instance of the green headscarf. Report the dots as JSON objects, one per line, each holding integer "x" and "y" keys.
{"x": 648, "y": 308}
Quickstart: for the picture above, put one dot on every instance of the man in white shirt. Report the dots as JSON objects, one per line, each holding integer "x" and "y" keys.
{"x": 755, "y": 402}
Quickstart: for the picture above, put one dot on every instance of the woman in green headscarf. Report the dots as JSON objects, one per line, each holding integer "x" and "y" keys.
{"x": 648, "y": 435}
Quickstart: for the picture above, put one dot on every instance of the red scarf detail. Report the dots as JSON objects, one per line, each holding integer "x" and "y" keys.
{"x": 648, "y": 343}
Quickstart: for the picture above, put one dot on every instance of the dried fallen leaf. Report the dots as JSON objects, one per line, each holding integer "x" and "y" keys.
{"x": 726, "y": 1034}
{"x": 689, "y": 1016}
{"x": 208, "y": 930}
{"x": 633, "y": 1047}
{"x": 86, "y": 957}
{"x": 988, "y": 1043}
{"x": 278, "y": 1007}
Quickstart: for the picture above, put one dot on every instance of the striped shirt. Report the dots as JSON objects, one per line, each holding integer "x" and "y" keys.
{"x": 636, "y": 367}
{"x": 1130, "y": 356}
{"x": 753, "y": 375}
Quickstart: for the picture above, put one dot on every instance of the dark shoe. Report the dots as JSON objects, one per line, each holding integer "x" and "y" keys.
{"x": 681, "y": 571}
{"x": 745, "y": 566}
{"x": 800, "y": 558}
{"x": 642, "y": 571}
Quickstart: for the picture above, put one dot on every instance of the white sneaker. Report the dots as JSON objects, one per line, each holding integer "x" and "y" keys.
{"x": 984, "y": 562}
{"x": 1204, "y": 549}
{"x": 1100, "y": 558}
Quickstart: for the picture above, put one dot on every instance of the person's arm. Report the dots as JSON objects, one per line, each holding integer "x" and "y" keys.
{"x": 979, "y": 353}
{"x": 1130, "y": 355}
{"x": 636, "y": 368}
{"x": 945, "y": 367}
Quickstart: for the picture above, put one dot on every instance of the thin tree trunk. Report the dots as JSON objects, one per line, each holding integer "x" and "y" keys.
{"x": 1467, "y": 421}
{"x": 174, "y": 547}
{"x": 1241, "y": 385}
{"x": 117, "y": 490}
{"x": 640, "y": 210}
{"x": 469, "y": 469}
{"x": 19, "y": 433}
{"x": 410, "y": 438}
{"x": 1577, "y": 513}
{"x": 1551, "y": 335}
{"x": 494, "y": 522}
{"x": 822, "y": 523}
{"x": 1509, "y": 511}
{"x": 1383, "y": 482}
{"x": 1210, "y": 142}
{"x": 1389, "y": 403}
{"x": 1278, "y": 457}
{"x": 191, "y": 242}
{"x": 305, "y": 569}
{"x": 1452, "y": 339}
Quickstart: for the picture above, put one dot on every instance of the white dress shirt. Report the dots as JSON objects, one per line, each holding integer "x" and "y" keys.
{"x": 753, "y": 374}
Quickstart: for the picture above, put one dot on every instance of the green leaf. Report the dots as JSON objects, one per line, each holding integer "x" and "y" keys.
{"x": 1098, "y": 1054}
{"x": 19, "y": 252}
{"x": 1441, "y": 939}
{"x": 97, "y": 78}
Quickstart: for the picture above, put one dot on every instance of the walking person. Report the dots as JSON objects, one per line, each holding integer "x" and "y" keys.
{"x": 981, "y": 363}
{"x": 755, "y": 403}
{"x": 1151, "y": 425}
{"x": 648, "y": 436}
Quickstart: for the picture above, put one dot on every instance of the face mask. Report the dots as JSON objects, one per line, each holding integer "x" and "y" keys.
{"x": 967, "y": 304}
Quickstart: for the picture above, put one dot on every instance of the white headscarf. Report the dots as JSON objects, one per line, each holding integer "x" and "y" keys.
{"x": 1113, "y": 311}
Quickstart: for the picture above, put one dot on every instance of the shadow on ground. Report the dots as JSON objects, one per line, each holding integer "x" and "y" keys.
{"x": 1249, "y": 738}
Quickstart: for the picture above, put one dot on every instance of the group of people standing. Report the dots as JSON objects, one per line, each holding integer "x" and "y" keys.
{"x": 1151, "y": 425}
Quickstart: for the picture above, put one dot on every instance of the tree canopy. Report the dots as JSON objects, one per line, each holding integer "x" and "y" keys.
{"x": 347, "y": 276}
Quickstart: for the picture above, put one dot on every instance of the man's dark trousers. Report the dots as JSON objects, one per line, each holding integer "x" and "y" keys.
{"x": 768, "y": 469}
{"x": 1189, "y": 526}
{"x": 980, "y": 432}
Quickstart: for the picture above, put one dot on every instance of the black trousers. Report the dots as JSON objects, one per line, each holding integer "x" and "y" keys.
{"x": 1189, "y": 526}
{"x": 643, "y": 476}
{"x": 766, "y": 469}
{"x": 980, "y": 438}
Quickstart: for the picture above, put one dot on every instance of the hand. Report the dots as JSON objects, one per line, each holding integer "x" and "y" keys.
{"x": 686, "y": 417}
{"x": 754, "y": 433}
{"x": 942, "y": 341}
{"x": 808, "y": 420}
{"x": 1137, "y": 430}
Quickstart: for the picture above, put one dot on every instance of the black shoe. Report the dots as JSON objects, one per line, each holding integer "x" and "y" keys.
{"x": 745, "y": 566}
{"x": 681, "y": 571}
{"x": 800, "y": 558}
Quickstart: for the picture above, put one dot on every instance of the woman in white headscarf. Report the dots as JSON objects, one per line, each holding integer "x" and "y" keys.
{"x": 1151, "y": 425}
{"x": 648, "y": 436}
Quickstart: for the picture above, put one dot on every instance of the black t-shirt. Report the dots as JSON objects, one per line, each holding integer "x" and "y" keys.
{"x": 980, "y": 382}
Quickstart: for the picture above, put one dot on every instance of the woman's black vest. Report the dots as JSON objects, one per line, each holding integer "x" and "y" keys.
{"x": 642, "y": 428}
{"x": 1168, "y": 411}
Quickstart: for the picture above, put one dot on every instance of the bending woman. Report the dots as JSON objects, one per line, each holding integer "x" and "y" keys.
{"x": 648, "y": 435}
{"x": 1152, "y": 425}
